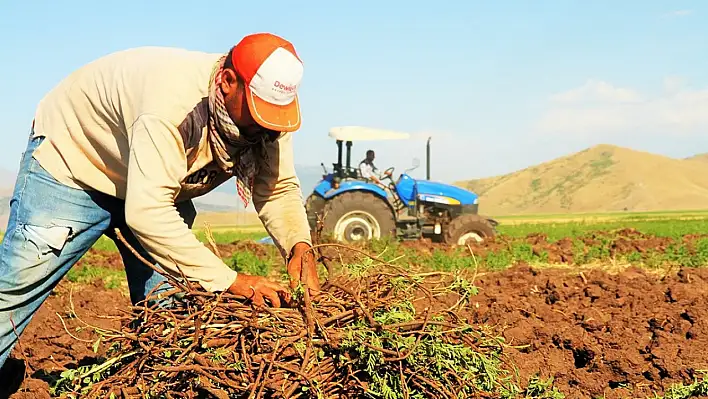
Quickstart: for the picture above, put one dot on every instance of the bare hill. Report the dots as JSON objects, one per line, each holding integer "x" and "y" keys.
{"x": 699, "y": 157}
{"x": 599, "y": 179}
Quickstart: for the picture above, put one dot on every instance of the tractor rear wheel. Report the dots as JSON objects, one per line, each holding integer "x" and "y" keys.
{"x": 467, "y": 228}
{"x": 358, "y": 217}
{"x": 314, "y": 205}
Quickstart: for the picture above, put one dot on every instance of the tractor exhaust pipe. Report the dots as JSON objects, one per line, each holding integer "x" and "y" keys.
{"x": 427, "y": 159}
{"x": 349, "y": 156}
{"x": 339, "y": 154}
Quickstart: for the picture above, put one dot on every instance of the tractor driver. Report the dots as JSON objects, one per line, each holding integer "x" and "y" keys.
{"x": 368, "y": 169}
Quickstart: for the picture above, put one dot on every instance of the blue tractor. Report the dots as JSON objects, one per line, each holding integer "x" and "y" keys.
{"x": 353, "y": 209}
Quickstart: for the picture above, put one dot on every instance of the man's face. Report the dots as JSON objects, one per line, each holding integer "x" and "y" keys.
{"x": 237, "y": 107}
{"x": 370, "y": 156}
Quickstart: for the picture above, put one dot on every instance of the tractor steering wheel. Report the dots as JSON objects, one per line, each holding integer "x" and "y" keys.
{"x": 388, "y": 173}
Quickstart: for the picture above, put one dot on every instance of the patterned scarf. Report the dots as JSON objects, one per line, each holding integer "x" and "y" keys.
{"x": 234, "y": 153}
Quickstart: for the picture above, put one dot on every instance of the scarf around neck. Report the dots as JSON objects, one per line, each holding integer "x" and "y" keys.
{"x": 234, "y": 153}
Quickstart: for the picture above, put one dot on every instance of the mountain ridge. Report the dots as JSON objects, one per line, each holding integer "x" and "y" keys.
{"x": 699, "y": 157}
{"x": 597, "y": 179}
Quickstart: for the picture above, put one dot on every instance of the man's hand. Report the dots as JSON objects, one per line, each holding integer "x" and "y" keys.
{"x": 257, "y": 289}
{"x": 302, "y": 267}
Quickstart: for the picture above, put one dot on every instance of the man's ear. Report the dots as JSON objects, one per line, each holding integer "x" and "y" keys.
{"x": 229, "y": 81}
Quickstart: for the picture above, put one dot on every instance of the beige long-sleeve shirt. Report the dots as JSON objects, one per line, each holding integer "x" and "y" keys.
{"x": 133, "y": 125}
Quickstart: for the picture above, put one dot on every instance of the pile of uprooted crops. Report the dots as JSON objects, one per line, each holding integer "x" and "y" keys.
{"x": 374, "y": 330}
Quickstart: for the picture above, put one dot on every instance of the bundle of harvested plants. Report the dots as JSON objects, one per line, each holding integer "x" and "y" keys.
{"x": 375, "y": 330}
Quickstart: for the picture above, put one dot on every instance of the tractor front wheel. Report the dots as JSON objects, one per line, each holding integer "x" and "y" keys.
{"x": 358, "y": 217}
{"x": 467, "y": 228}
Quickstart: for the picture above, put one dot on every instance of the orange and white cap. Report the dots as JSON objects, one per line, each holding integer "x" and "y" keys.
{"x": 272, "y": 72}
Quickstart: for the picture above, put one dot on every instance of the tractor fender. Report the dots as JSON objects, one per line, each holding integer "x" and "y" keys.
{"x": 355, "y": 186}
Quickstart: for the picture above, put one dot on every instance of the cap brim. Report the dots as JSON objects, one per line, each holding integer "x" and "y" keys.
{"x": 282, "y": 118}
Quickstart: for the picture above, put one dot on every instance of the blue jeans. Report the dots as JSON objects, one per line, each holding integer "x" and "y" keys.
{"x": 51, "y": 227}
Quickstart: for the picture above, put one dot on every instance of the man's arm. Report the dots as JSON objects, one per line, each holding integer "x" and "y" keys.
{"x": 367, "y": 172}
{"x": 157, "y": 164}
{"x": 278, "y": 199}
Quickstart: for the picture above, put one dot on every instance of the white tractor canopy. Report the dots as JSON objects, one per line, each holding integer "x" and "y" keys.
{"x": 359, "y": 133}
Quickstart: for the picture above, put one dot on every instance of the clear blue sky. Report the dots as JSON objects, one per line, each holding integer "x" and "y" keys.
{"x": 529, "y": 79}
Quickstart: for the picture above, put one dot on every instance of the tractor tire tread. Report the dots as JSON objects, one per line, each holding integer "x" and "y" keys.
{"x": 346, "y": 202}
{"x": 465, "y": 223}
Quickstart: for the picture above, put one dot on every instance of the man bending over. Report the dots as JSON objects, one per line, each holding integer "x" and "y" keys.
{"x": 127, "y": 141}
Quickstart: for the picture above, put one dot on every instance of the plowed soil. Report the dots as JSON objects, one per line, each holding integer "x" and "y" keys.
{"x": 599, "y": 334}
{"x": 622, "y": 336}
{"x": 45, "y": 348}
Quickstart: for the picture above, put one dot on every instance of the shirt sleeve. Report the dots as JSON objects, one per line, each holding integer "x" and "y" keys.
{"x": 157, "y": 165}
{"x": 278, "y": 199}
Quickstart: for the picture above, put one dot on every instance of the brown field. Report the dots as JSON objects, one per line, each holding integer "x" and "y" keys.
{"x": 620, "y": 314}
